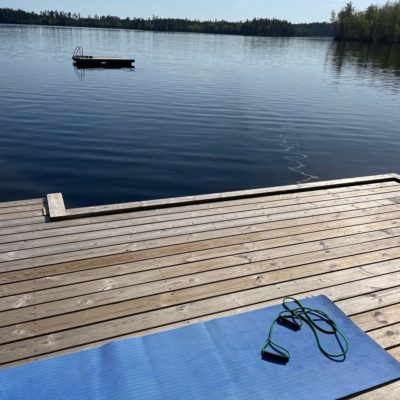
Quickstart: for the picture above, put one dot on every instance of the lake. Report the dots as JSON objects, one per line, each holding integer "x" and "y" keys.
{"x": 199, "y": 114}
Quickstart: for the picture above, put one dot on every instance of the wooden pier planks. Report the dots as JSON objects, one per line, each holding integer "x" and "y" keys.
{"x": 72, "y": 279}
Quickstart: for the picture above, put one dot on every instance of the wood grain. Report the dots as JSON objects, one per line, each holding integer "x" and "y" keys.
{"x": 132, "y": 269}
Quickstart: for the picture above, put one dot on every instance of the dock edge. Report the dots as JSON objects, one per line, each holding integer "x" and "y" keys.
{"x": 57, "y": 210}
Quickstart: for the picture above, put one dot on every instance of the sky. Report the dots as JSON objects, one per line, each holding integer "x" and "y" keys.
{"x": 232, "y": 10}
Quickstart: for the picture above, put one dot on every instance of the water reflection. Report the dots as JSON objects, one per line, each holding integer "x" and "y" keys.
{"x": 199, "y": 114}
{"x": 80, "y": 71}
{"x": 375, "y": 62}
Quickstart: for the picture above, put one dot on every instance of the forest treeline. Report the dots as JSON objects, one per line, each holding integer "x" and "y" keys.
{"x": 255, "y": 27}
{"x": 375, "y": 24}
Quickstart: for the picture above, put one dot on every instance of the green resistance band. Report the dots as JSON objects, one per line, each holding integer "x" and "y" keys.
{"x": 294, "y": 318}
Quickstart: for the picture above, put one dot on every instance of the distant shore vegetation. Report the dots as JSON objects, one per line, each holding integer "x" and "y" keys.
{"x": 254, "y": 27}
{"x": 375, "y": 24}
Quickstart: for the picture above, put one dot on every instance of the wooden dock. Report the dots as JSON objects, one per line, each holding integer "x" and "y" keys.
{"x": 77, "y": 278}
{"x": 103, "y": 62}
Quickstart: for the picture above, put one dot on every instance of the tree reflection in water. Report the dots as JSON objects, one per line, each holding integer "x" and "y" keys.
{"x": 378, "y": 63}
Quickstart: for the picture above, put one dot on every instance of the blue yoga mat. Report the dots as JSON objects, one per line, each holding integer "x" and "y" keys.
{"x": 219, "y": 360}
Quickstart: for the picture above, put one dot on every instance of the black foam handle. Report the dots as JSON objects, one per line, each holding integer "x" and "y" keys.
{"x": 289, "y": 323}
{"x": 274, "y": 356}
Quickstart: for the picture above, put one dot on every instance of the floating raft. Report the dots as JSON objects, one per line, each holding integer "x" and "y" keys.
{"x": 77, "y": 278}
{"x": 83, "y": 61}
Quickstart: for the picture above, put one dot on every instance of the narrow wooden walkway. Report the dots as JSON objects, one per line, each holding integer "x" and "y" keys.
{"x": 72, "y": 279}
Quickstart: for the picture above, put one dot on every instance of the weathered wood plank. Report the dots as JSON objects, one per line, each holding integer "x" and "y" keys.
{"x": 225, "y": 196}
{"x": 393, "y": 193}
{"x": 79, "y": 314}
{"x": 137, "y": 323}
{"x": 388, "y": 336}
{"x": 370, "y": 301}
{"x": 80, "y": 250}
{"x": 189, "y": 311}
{"x": 143, "y": 283}
{"x": 395, "y": 352}
{"x": 104, "y": 261}
{"x": 141, "y": 233}
{"x": 379, "y": 318}
{"x": 12, "y": 223}
{"x": 17, "y": 203}
{"x": 183, "y": 226}
{"x": 43, "y": 226}
{"x": 134, "y": 273}
{"x": 12, "y": 227}
{"x": 158, "y": 281}
{"x": 159, "y": 257}
{"x": 169, "y": 212}
{"x": 23, "y": 208}
{"x": 7, "y": 218}
{"x": 155, "y": 217}
{"x": 56, "y": 205}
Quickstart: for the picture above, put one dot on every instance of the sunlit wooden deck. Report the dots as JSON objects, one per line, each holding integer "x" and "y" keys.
{"x": 72, "y": 279}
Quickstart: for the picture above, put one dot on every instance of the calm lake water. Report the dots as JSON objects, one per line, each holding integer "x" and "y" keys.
{"x": 199, "y": 114}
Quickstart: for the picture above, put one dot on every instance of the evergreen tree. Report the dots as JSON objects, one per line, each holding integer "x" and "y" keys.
{"x": 375, "y": 24}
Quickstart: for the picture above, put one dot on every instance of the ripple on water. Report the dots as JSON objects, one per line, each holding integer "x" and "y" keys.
{"x": 200, "y": 114}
